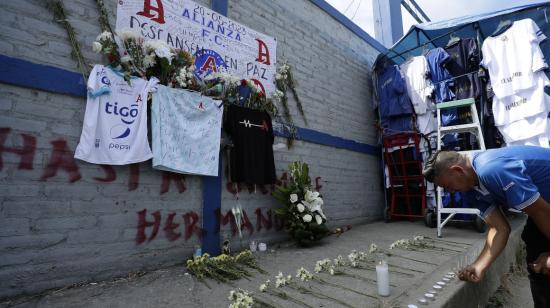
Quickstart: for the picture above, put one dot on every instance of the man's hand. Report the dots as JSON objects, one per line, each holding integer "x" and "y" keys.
{"x": 542, "y": 264}
{"x": 471, "y": 273}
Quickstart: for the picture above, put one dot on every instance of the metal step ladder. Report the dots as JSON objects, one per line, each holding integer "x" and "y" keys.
{"x": 474, "y": 128}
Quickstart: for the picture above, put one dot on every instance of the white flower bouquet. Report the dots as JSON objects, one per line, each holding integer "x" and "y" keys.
{"x": 302, "y": 208}
{"x": 133, "y": 56}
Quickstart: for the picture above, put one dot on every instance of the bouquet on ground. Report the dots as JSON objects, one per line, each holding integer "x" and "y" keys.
{"x": 302, "y": 208}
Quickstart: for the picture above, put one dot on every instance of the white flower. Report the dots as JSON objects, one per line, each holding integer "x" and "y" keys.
{"x": 125, "y": 59}
{"x": 293, "y": 198}
{"x": 263, "y": 287}
{"x": 339, "y": 261}
{"x": 164, "y": 52}
{"x": 149, "y": 61}
{"x": 331, "y": 271}
{"x": 106, "y": 35}
{"x": 318, "y": 268}
{"x": 318, "y": 219}
{"x": 152, "y": 45}
{"x": 307, "y": 218}
{"x": 373, "y": 248}
{"x": 300, "y": 207}
{"x": 97, "y": 47}
{"x": 127, "y": 34}
{"x": 278, "y": 76}
{"x": 303, "y": 274}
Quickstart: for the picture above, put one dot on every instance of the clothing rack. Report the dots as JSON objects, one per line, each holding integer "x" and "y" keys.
{"x": 475, "y": 26}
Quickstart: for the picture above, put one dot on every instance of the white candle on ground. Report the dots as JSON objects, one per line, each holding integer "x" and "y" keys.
{"x": 383, "y": 278}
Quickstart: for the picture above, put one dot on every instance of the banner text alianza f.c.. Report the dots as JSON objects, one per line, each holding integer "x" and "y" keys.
{"x": 218, "y": 43}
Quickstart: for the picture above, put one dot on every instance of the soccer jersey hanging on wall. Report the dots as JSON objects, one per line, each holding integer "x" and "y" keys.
{"x": 115, "y": 122}
{"x": 252, "y": 153}
{"x": 186, "y": 130}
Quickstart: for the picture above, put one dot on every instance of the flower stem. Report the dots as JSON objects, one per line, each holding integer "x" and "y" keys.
{"x": 284, "y": 296}
{"x": 262, "y": 302}
{"x": 303, "y": 290}
{"x": 411, "y": 259}
{"x": 448, "y": 242}
{"x": 319, "y": 280}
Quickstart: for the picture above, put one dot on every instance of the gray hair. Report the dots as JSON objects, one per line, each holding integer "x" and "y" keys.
{"x": 439, "y": 162}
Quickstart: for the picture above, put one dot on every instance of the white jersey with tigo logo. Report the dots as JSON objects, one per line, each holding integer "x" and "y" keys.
{"x": 115, "y": 123}
{"x": 525, "y": 103}
{"x": 419, "y": 87}
{"x": 513, "y": 56}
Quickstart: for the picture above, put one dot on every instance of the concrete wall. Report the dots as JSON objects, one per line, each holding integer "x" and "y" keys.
{"x": 63, "y": 221}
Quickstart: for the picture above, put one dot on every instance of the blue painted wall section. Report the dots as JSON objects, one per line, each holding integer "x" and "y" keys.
{"x": 212, "y": 186}
{"x": 313, "y": 136}
{"x": 329, "y": 9}
{"x": 42, "y": 77}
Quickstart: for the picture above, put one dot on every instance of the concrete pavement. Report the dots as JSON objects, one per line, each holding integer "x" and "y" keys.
{"x": 416, "y": 273}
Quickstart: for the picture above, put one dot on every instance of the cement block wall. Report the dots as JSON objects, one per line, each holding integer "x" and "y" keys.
{"x": 64, "y": 221}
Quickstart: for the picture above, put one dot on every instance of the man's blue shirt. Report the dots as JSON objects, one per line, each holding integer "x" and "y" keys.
{"x": 512, "y": 177}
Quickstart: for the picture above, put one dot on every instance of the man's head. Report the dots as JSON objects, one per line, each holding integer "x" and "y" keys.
{"x": 450, "y": 170}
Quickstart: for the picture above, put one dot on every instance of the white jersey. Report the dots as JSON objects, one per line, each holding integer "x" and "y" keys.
{"x": 115, "y": 123}
{"x": 524, "y": 104}
{"x": 539, "y": 141}
{"x": 426, "y": 123}
{"x": 419, "y": 87}
{"x": 525, "y": 129}
{"x": 513, "y": 56}
{"x": 186, "y": 129}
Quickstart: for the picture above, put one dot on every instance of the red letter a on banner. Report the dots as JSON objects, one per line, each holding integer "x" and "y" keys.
{"x": 147, "y": 8}
{"x": 263, "y": 53}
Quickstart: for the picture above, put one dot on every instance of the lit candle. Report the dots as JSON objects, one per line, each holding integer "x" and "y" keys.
{"x": 383, "y": 278}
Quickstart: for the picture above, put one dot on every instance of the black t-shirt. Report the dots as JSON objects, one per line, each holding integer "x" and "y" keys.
{"x": 251, "y": 158}
{"x": 464, "y": 59}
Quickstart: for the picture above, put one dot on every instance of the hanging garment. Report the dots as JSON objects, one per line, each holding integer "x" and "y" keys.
{"x": 525, "y": 129}
{"x": 464, "y": 60}
{"x": 251, "y": 158}
{"x": 392, "y": 93}
{"x": 395, "y": 124}
{"x": 426, "y": 123}
{"x": 186, "y": 131}
{"x": 115, "y": 122}
{"x": 419, "y": 86}
{"x": 442, "y": 80}
{"x": 525, "y": 103}
{"x": 513, "y": 57}
{"x": 539, "y": 141}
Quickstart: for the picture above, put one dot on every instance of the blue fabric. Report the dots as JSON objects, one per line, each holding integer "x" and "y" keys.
{"x": 402, "y": 123}
{"x": 437, "y": 58}
{"x": 392, "y": 93}
{"x": 442, "y": 81}
{"x": 514, "y": 177}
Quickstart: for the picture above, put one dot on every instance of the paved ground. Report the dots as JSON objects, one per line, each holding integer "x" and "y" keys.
{"x": 173, "y": 287}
